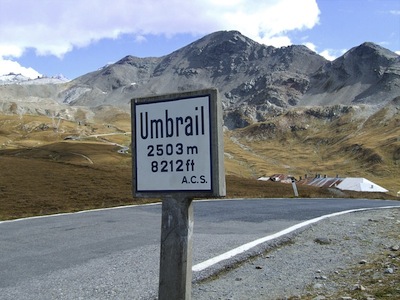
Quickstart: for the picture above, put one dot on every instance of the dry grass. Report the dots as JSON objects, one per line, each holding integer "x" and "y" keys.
{"x": 36, "y": 186}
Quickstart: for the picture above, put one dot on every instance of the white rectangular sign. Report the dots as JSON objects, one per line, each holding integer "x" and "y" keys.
{"x": 173, "y": 145}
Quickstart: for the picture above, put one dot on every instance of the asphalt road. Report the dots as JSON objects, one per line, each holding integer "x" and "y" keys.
{"x": 114, "y": 253}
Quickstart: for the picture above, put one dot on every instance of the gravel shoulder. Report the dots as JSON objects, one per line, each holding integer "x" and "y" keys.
{"x": 352, "y": 255}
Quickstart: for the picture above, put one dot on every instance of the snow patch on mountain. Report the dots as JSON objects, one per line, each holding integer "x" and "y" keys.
{"x": 12, "y": 78}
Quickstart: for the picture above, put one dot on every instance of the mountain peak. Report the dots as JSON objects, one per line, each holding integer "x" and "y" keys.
{"x": 226, "y": 35}
{"x": 369, "y": 50}
{"x": 224, "y": 43}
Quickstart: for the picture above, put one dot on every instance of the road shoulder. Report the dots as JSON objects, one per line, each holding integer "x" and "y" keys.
{"x": 324, "y": 261}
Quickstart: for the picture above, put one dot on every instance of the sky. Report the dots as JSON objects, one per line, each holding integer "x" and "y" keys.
{"x": 75, "y": 37}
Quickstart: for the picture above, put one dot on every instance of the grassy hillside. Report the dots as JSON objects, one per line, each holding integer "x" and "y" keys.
{"x": 50, "y": 166}
{"x": 299, "y": 143}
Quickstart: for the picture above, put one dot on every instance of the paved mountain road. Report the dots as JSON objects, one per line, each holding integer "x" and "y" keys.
{"x": 114, "y": 253}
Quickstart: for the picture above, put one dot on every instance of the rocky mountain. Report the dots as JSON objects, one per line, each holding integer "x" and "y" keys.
{"x": 252, "y": 78}
{"x": 255, "y": 81}
{"x": 367, "y": 74}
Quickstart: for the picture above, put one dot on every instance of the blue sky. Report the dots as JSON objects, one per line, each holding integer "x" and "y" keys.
{"x": 74, "y": 37}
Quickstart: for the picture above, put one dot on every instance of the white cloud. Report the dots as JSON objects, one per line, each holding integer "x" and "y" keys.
{"x": 10, "y": 50}
{"x": 332, "y": 54}
{"x": 276, "y": 41}
{"x": 58, "y": 28}
{"x": 328, "y": 54}
{"x": 9, "y": 66}
{"x": 397, "y": 52}
{"x": 268, "y": 21}
{"x": 311, "y": 46}
{"x": 140, "y": 39}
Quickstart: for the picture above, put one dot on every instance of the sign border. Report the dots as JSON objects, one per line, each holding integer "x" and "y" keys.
{"x": 218, "y": 187}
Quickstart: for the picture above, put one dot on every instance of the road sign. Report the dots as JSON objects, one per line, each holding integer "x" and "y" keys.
{"x": 178, "y": 154}
{"x": 178, "y": 145}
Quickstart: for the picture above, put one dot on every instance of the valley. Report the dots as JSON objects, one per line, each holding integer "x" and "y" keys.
{"x": 53, "y": 167}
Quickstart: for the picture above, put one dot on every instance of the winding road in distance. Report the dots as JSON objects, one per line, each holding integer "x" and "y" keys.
{"x": 114, "y": 253}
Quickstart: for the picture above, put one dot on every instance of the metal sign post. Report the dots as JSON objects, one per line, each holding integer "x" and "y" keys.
{"x": 177, "y": 146}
